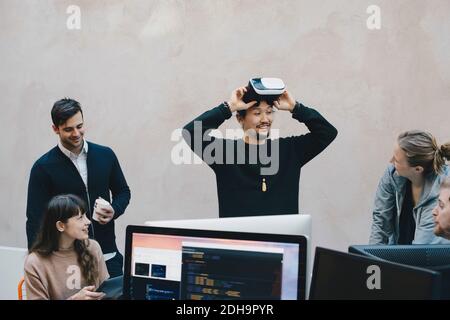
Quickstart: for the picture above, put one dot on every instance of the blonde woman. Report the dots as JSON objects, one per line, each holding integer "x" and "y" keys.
{"x": 408, "y": 191}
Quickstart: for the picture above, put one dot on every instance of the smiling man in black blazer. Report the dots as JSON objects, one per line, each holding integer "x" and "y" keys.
{"x": 88, "y": 170}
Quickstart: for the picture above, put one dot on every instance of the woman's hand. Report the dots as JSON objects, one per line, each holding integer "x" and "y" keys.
{"x": 87, "y": 293}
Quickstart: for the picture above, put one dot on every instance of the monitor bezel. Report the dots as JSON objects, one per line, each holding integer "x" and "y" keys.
{"x": 300, "y": 240}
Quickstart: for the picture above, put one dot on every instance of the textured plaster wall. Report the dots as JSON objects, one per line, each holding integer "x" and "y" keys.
{"x": 141, "y": 69}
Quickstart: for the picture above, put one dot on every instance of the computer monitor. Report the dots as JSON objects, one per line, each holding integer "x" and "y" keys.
{"x": 431, "y": 256}
{"x": 187, "y": 264}
{"x": 289, "y": 224}
{"x": 348, "y": 276}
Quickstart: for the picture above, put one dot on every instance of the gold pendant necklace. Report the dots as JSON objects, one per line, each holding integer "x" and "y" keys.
{"x": 264, "y": 185}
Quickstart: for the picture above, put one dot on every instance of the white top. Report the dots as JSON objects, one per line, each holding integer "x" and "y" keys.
{"x": 78, "y": 160}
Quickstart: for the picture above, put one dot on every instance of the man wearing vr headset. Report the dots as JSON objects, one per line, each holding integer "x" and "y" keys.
{"x": 247, "y": 185}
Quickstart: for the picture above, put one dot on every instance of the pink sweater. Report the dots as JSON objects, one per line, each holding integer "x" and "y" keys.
{"x": 58, "y": 276}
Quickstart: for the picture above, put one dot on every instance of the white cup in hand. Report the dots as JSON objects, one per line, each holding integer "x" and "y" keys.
{"x": 100, "y": 204}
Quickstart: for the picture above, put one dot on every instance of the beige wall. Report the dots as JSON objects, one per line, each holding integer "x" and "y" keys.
{"x": 144, "y": 68}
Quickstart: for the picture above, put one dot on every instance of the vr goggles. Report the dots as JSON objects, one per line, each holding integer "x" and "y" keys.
{"x": 267, "y": 89}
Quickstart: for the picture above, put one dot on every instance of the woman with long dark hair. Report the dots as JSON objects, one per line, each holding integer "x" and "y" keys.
{"x": 63, "y": 263}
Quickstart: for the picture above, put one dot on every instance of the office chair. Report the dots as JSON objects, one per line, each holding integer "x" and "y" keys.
{"x": 21, "y": 293}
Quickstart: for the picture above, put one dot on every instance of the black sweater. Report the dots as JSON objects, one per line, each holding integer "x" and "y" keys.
{"x": 54, "y": 174}
{"x": 240, "y": 186}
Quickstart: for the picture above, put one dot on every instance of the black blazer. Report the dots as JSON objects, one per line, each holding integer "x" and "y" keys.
{"x": 54, "y": 174}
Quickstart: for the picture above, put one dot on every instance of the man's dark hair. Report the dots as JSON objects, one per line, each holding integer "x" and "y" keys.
{"x": 251, "y": 95}
{"x": 64, "y": 109}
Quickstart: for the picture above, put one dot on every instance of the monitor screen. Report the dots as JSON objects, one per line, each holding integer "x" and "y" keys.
{"x": 290, "y": 224}
{"x": 185, "y": 264}
{"x": 340, "y": 275}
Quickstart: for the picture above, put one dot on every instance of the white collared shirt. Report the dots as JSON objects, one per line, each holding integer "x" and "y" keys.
{"x": 78, "y": 160}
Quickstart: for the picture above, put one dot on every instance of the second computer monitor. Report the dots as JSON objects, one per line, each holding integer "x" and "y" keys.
{"x": 289, "y": 224}
{"x": 428, "y": 256}
{"x": 347, "y": 276}
{"x": 173, "y": 264}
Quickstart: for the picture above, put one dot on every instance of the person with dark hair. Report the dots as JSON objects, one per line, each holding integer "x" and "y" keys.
{"x": 408, "y": 191}
{"x": 441, "y": 212}
{"x": 257, "y": 175}
{"x": 88, "y": 170}
{"x": 63, "y": 263}
{"x": 63, "y": 110}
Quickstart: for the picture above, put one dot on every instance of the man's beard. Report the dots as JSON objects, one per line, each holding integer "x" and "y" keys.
{"x": 258, "y": 136}
{"x": 71, "y": 145}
